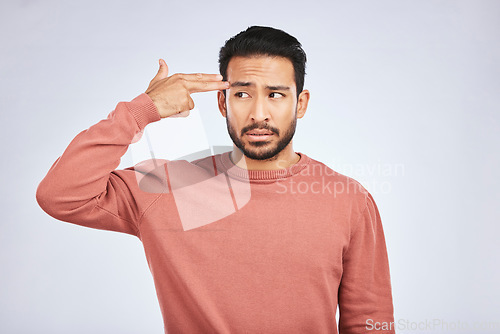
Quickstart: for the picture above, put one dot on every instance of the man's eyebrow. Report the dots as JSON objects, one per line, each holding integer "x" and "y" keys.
{"x": 242, "y": 84}
{"x": 251, "y": 84}
{"x": 278, "y": 87}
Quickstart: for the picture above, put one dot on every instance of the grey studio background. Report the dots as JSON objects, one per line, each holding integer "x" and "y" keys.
{"x": 404, "y": 98}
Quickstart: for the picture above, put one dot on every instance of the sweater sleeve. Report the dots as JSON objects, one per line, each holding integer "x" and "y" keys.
{"x": 83, "y": 187}
{"x": 365, "y": 293}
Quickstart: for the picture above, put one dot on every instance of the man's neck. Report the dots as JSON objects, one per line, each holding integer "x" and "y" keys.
{"x": 286, "y": 158}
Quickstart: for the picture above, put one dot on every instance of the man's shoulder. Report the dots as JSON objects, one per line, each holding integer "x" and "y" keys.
{"x": 205, "y": 162}
{"x": 151, "y": 175}
{"x": 342, "y": 183}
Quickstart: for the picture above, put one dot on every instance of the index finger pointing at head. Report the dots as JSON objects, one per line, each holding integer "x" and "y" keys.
{"x": 206, "y": 86}
{"x": 201, "y": 77}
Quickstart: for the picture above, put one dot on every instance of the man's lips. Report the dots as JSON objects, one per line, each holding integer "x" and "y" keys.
{"x": 259, "y": 132}
{"x": 259, "y": 135}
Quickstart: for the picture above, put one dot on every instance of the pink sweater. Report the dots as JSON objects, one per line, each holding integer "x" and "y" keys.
{"x": 231, "y": 250}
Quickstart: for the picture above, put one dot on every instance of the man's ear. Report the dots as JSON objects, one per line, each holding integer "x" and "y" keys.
{"x": 302, "y": 102}
{"x": 221, "y": 100}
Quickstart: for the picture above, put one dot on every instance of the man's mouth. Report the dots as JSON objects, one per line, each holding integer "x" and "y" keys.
{"x": 259, "y": 134}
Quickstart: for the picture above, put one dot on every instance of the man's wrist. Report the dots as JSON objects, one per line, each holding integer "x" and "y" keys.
{"x": 144, "y": 110}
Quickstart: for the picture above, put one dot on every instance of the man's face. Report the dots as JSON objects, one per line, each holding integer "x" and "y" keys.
{"x": 260, "y": 105}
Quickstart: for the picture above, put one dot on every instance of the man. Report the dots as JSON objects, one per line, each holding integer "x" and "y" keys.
{"x": 261, "y": 239}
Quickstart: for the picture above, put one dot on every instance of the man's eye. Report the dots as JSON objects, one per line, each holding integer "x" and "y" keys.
{"x": 275, "y": 95}
{"x": 241, "y": 94}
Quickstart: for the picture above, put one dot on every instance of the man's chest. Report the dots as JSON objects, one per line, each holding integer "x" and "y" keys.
{"x": 272, "y": 232}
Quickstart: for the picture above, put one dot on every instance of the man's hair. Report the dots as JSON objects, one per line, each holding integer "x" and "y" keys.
{"x": 265, "y": 41}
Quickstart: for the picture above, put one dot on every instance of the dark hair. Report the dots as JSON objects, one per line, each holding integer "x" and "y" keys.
{"x": 265, "y": 41}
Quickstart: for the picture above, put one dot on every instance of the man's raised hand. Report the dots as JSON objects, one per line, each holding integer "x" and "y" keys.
{"x": 172, "y": 95}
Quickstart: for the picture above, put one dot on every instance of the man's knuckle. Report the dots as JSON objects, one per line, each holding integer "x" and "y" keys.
{"x": 182, "y": 81}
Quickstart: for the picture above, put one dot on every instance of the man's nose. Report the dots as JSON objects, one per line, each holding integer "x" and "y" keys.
{"x": 260, "y": 110}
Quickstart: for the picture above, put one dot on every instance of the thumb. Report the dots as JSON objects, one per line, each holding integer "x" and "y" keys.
{"x": 163, "y": 70}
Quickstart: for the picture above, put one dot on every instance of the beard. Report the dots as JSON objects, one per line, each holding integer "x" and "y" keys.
{"x": 263, "y": 150}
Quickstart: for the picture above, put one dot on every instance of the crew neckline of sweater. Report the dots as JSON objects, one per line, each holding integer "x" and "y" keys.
{"x": 262, "y": 176}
